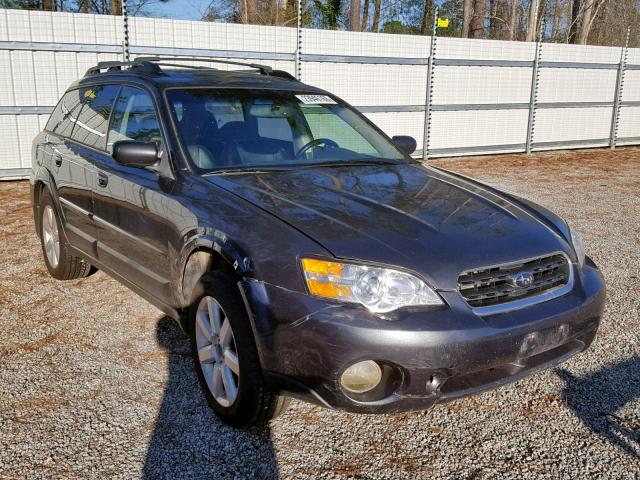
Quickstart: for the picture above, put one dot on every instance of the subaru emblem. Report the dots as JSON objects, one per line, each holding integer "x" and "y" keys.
{"x": 523, "y": 279}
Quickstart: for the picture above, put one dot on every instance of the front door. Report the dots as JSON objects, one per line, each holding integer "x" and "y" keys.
{"x": 130, "y": 203}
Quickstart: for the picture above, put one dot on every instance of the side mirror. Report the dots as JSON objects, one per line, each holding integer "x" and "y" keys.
{"x": 135, "y": 154}
{"x": 405, "y": 143}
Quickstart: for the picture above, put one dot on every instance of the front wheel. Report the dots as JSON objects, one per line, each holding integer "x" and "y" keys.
{"x": 226, "y": 356}
{"x": 57, "y": 256}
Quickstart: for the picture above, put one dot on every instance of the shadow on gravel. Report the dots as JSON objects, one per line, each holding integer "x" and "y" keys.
{"x": 597, "y": 398}
{"x": 188, "y": 440}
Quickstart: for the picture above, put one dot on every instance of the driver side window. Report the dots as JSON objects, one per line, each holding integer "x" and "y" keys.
{"x": 134, "y": 118}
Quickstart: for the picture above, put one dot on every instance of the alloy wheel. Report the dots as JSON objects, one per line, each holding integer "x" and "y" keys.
{"x": 51, "y": 236}
{"x": 217, "y": 351}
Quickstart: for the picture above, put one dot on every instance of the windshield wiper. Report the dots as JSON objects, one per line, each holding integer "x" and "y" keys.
{"x": 328, "y": 163}
{"x": 230, "y": 171}
{"x": 351, "y": 163}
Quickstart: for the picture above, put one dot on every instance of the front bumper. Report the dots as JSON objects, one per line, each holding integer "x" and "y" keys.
{"x": 435, "y": 355}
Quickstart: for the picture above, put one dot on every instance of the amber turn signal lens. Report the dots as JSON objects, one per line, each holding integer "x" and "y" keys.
{"x": 330, "y": 290}
{"x": 322, "y": 267}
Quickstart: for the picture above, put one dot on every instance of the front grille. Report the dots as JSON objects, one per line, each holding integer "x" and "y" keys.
{"x": 495, "y": 285}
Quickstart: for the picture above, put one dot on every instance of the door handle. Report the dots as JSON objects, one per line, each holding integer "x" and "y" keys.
{"x": 58, "y": 160}
{"x": 103, "y": 179}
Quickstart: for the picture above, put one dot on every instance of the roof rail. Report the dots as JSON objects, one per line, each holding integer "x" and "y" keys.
{"x": 264, "y": 69}
{"x": 115, "y": 65}
{"x": 283, "y": 74}
{"x": 152, "y": 65}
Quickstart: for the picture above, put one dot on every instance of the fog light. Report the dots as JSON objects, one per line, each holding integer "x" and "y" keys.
{"x": 361, "y": 377}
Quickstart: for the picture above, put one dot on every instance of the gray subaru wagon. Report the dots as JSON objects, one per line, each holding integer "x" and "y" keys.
{"x": 304, "y": 252}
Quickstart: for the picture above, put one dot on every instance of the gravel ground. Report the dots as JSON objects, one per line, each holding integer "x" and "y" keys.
{"x": 95, "y": 383}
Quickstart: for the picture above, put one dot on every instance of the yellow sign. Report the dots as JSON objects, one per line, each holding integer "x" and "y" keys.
{"x": 90, "y": 94}
{"x": 443, "y": 22}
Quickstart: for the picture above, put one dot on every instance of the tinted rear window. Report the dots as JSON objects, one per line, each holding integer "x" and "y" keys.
{"x": 62, "y": 118}
{"x": 93, "y": 120}
{"x": 83, "y": 115}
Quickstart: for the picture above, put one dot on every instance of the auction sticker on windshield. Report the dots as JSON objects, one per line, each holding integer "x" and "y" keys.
{"x": 315, "y": 99}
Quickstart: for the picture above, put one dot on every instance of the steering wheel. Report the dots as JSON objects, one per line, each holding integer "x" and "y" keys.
{"x": 316, "y": 143}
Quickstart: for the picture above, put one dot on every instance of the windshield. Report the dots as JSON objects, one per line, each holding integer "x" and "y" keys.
{"x": 242, "y": 129}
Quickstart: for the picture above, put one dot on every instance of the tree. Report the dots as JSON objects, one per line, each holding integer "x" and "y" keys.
{"x": 329, "y": 13}
{"x": 116, "y": 7}
{"x": 258, "y": 12}
{"x": 541, "y": 17}
{"x": 375, "y": 24}
{"x": 610, "y": 28}
{"x": 556, "y": 19}
{"x": 249, "y": 11}
{"x": 395, "y": 26}
{"x": 477, "y": 21}
{"x": 354, "y": 16}
{"x": 533, "y": 21}
{"x": 583, "y": 15}
{"x": 499, "y": 18}
{"x": 573, "y": 21}
{"x": 426, "y": 17}
{"x": 365, "y": 16}
{"x": 590, "y": 9}
{"x": 513, "y": 18}
{"x": 26, "y": 4}
{"x": 467, "y": 14}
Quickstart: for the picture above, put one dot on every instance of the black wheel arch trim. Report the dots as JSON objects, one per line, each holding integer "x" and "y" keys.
{"x": 213, "y": 242}
{"x": 45, "y": 178}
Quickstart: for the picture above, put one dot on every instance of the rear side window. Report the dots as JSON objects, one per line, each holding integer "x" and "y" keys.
{"x": 134, "y": 118}
{"x": 65, "y": 114}
{"x": 93, "y": 120}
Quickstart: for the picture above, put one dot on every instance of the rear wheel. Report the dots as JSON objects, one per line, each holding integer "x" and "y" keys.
{"x": 226, "y": 356}
{"x": 57, "y": 257}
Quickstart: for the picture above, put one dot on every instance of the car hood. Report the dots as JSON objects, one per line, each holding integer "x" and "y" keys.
{"x": 405, "y": 215}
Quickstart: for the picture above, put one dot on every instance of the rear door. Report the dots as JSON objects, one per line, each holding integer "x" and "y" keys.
{"x": 132, "y": 205}
{"x": 78, "y": 128}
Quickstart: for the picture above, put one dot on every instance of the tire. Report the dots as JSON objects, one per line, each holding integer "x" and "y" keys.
{"x": 58, "y": 259}
{"x": 253, "y": 403}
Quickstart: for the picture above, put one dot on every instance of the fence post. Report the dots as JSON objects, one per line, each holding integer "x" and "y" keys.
{"x": 428, "y": 99}
{"x": 298, "y": 62}
{"x": 533, "y": 98}
{"x": 125, "y": 19}
{"x": 615, "y": 116}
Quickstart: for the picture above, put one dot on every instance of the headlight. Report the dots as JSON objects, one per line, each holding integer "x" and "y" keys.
{"x": 578, "y": 246}
{"x": 379, "y": 289}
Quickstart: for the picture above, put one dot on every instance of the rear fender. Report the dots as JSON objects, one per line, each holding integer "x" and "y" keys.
{"x": 44, "y": 177}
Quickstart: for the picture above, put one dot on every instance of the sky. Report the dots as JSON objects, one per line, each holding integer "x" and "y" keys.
{"x": 180, "y": 9}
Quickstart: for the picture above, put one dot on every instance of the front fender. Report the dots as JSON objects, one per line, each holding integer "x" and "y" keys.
{"x": 199, "y": 251}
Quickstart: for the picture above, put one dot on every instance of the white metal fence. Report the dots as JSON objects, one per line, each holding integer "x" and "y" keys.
{"x": 485, "y": 96}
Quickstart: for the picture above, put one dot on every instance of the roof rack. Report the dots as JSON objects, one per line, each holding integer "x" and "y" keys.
{"x": 264, "y": 69}
{"x": 152, "y": 65}
{"x": 115, "y": 65}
